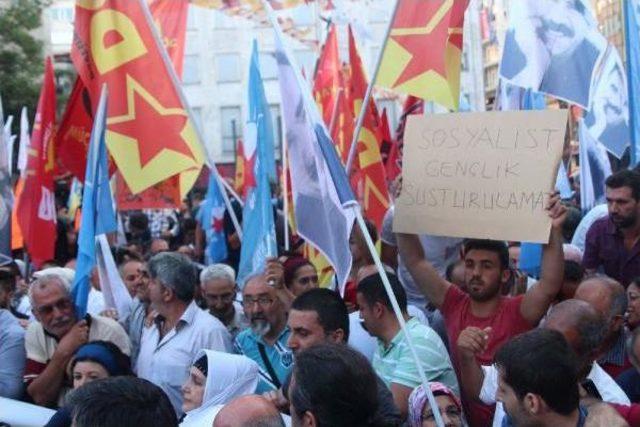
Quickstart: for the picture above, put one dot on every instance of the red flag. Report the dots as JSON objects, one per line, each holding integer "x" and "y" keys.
{"x": 170, "y": 17}
{"x": 37, "y": 213}
{"x": 372, "y": 182}
{"x": 344, "y": 122}
{"x": 150, "y": 134}
{"x": 72, "y": 140}
{"x": 412, "y": 105}
{"x": 245, "y": 177}
{"x": 328, "y": 79}
{"x": 385, "y": 130}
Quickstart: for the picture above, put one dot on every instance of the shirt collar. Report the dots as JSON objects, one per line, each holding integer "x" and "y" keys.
{"x": 283, "y": 335}
{"x": 187, "y": 317}
{"x": 617, "y": 354}
{"x": 398, "y": 338}
{"x": 611, "y": 227}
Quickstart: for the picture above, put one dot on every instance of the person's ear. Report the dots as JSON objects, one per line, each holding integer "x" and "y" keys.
{"x": 337, "y": 336}
{"x": 378, "y": 309}
{"x": 506, "y": 275}
{"x": 533, "y": 404}
{"x": 617, "y": 323}
{"x": 309, "y": 420}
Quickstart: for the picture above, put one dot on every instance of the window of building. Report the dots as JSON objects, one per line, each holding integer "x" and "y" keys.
{"x": 228, "y": 67}
{"x": 268, "y": 66}
{"x": 62, "y": 13}
{"x": 191, "y": 72}
{"x": 231, "y": 128}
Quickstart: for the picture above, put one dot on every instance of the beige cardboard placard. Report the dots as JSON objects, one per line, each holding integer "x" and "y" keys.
{"x": 480, "y": 175}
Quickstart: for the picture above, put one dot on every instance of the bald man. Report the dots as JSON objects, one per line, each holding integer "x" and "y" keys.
{"x": 609, "y": 298}
{"x": 248, "y": 411}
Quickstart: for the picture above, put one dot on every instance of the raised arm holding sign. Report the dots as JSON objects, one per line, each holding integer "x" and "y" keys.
{"x": 493, "y": 163}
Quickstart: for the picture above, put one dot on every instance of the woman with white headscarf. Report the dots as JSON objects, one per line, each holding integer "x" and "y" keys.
{"x": 214, "y": 379}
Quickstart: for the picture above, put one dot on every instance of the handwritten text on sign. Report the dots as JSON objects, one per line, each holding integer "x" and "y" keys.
{"x": 480, "y": 175}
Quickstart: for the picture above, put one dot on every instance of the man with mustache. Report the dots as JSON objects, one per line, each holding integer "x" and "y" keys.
{"x": 52, "y": 341}
{"x": 265, "y": 342}
{"x": 613, "y": 242}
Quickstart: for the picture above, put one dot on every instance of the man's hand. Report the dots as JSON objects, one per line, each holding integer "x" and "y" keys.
{"x": 556, "y": 210}
{"x": 275, "y": 273}
{"x": 78, "y": 335}
{"x": 473, "y": 341}
{"x": 277, "y": 399}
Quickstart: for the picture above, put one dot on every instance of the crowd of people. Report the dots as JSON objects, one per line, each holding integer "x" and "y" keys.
{"x": 497, "y": 346}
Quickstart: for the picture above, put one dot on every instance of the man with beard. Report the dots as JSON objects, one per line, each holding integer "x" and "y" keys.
{"x": 613, "y": 242}
{"x": 266, "y": 340}
{"x": 486, "y": 271}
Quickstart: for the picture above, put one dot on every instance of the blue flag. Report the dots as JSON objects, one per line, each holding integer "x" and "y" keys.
{"x": 632, "y": 18}
{"x": 98, "y": 215}
{"x": 211, "y": 219}
{"x": 595, "y": 168}
{"x": 322, "y": 197}
{"x": 258, "y": 230}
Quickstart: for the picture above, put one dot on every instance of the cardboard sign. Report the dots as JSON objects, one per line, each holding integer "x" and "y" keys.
{"x": 480, "y": 175}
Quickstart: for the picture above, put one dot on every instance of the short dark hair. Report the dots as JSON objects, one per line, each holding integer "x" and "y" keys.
{"x": 495, "y": 246}
{"x": 345, "y": 394}
{"x": 573, "y": 271}
{"x": 541, "y": 362}
{"x": 121, "y": 401}
{"x": 331, "y": 310}
{"x": 373, "y": 291}
{"x": 7, "y": 280}
{"x": 625, "y": 178}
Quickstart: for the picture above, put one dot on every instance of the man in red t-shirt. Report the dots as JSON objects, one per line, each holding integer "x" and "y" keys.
{"x": 486, "y": 271}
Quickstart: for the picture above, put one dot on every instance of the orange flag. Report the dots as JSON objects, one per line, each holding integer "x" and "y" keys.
{"x": 244, "y": 177}
{"x": 371, "y": 187}
{"x": 37, "y": 213}
{"x": 423, "y": 53}
{"x": 342, "y": 131}
{"x": 328, "y": 78}
{"x": 17, "y": 240}
{"x": 149, "y": 132}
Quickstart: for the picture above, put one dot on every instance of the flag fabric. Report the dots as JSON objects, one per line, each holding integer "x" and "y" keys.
{"x": 75, "y": 198}
{"x": 116, "y": 295}
{"x": 328, "y": 78}
{"x": 17, "y": 241}
{"x": 423, "y": 54}
{"x": 170, "y": 17}
{"x": 115, "y": 44}
{"x": 74, "y": 132}
{"x": 244, "y": 174}
{"x": 258, "y": 229}
{"x": 553, "y": 47}
{"x": 531, "y": 259}
{"x": 595, "y": 168}
{"x": 211, "y": 218}
{"x": 387, "y": 141}
{"x": 321, "y": 194}
{"x": 6, "y": 192}
{"x": 632, "y": 20}
{"x": 511, "y": 97}
{"x": 562, "y": 183}
{"x": 9, "y": 139}
{"x": 412, "y": 105}
{"x": 37, "y": 213}
{"x": 372, "y": 185}
{"x": 608, "y": 117}
{"x": 98, "y": 216}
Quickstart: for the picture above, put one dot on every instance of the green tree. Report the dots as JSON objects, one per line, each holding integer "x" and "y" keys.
{"x": 21, "y": 59}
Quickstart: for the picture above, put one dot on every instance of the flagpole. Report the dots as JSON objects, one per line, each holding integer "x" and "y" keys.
{"x": 183, "y": 99}
{"x": 398, "y": 313}
{"x": 633, "y": 151}
{"x": 233, "y": 192}
{"x": 369, "y": 92}
{"x": 334, "y": 115}
{"x": 285, "y": 188}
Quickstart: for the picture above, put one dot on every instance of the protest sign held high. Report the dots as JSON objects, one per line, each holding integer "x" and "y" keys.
{"x": 483, "y": 175}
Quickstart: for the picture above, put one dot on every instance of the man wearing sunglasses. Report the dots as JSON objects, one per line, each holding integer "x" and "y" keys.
{"x": 52, "y": 341}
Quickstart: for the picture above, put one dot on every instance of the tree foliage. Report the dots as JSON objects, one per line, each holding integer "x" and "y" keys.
{"x": 21, "y": 60}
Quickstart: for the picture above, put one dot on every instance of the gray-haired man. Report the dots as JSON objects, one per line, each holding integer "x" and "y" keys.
{"x": 219, "y": 290}
{"x": 181, "y": 329}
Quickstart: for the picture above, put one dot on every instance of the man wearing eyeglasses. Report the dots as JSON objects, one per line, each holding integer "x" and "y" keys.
{"x": 218, "y": 285}
{"x": 52, "y": 341}
{"x": 265, "y": 342}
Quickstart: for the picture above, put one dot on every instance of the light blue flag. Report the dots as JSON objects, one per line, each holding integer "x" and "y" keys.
{"x": 98, "y": 216}
{"x": 6, "y": 192}
{"x": 322, "y": 197}
{"x": 258, "y": 230}
{"x": 595, "y": 168}
{"x": 211, "y": 219}
{"x": 562, "y": 182}
{"x": 632, "y": 20}
{"x": 531, "y": 259}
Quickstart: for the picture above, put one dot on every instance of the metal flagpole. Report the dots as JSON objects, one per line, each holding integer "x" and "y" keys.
{"x": 174, "y": 78}
{"x": 285, "y": 186}
{"x": 334, "y": 115}
{"x": 367, "y": 96}
{"x": 398, "y": 313}
{"x": 633, "y": 151}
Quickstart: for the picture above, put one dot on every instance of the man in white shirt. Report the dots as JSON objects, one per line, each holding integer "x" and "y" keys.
{"x": 180, "y": 330}
{"x": 583, "y": 328}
